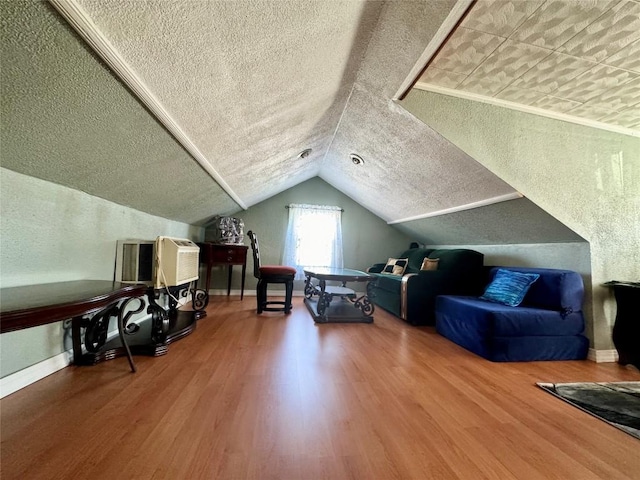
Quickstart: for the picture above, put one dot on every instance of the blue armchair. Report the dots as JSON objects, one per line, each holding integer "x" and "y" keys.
{"x": 547, "y": 325}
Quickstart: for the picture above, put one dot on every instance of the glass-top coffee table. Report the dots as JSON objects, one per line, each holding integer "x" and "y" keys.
{"x": 319, "y": 297}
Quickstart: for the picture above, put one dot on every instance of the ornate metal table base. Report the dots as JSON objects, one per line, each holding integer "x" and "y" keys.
{"x": 349, "y": 308}
{"x": 149, "y": 337}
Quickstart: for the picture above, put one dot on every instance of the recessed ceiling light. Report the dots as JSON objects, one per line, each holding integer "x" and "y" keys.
{"x": 305, "y": 153}
{"x": 356, "y": 159}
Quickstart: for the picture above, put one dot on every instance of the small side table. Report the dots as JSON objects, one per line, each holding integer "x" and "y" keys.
{"x": 218, "y": 254}
{"x": 626, "y": 329}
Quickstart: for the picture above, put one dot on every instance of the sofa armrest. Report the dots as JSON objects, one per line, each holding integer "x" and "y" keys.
{"x": 376, "y": 268}
{"x": 419, "y": 292}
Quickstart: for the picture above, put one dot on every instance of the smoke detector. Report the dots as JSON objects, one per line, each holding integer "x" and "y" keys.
{"x": 305, "y": 153}
{"x": 356, "y": 159}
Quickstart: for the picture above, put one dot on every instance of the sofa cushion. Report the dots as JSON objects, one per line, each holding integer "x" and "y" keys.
{"x": 509, "y": 287}
{"x": 429, "y": 264}
{"x": 456, "y": 258}
{"x": 395, "y": 266}
{"x": 277, "y": 270}
{"x": 501, "y": 333}
{"x": 555, "y": 289}
{"x": 389, "y": 283}
{"x": 415, "y": 257}
{"x": 536, "y": 348}
{"x": 504, "y": 321}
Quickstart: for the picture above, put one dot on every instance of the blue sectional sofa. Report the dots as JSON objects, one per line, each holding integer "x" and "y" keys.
{"x": 547, "y": 325}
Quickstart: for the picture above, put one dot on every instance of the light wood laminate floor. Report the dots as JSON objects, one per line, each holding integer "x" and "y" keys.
{"x": 278, "y": 397}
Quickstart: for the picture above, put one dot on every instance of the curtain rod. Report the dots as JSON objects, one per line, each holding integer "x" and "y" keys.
{"x": 289, "y": 206}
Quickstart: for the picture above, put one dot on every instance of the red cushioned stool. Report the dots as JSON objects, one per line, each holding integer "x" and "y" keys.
{"x": 271, "y": 274}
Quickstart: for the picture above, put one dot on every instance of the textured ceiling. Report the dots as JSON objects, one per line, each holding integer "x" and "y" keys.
{"x": 579, "y": 58}
{"x": 249, "y": 85}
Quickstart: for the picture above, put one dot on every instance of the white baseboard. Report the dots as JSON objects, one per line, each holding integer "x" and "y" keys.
{"x": 18, "y": 380}
{"x": 602, "y": 356}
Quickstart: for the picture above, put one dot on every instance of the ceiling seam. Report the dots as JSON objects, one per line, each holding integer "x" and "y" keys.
{"x": 80, "y": 21}
{"x": 335, "y": 132}
{"x": 357, "y": 75}
{"x": 441, "y": 37}
{"x": 460, "y": 208}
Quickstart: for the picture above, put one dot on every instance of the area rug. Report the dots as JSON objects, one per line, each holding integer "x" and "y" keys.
{"x": 616, "y": 403}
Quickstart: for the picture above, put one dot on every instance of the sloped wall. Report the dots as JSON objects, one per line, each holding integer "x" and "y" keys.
{"x": 588, "y": 179}
{"x": 517, "y": 221}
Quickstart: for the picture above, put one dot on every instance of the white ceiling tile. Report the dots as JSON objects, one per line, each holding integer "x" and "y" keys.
{"x": 500, "y": 17}
{"x": 627, "y": 58}
{"x": 593, "y": 82}
{"x": 619, "y": 99}
{"x": 589, "y": 112}
{"x": 555, "y": 70}
{"x": 506, "y": 64}
{"x": 580, "y": 57}
{"x": 557, "y": 21}
{"x": 555, "y": 104}
{"x": 487, "y": 87}
{"x": 466, "y": 50}
{"x": 441, "y": 78}
{"x": 613, "y": 31}
{"x": 519, "y": 95}
{"x": 629, "y": 118}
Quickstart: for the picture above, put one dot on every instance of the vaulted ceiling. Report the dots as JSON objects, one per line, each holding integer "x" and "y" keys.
{"x": 191, "y": 108}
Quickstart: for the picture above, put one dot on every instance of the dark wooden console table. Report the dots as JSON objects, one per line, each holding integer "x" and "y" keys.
{"x": 626, "y": 329}
{"x": 33, "y": 305}
{"x": 90, "y": 304}
{"x": 212, "y": 254}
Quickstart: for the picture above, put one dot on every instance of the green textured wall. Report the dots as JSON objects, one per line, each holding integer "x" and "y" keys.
{"x": 589, "y": 179}
{"x": 367, "y": 239}
{"x": 52, "y": 233}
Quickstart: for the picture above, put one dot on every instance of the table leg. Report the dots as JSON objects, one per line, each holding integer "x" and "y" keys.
{"x": 208, "y": 276}
{"x": 123, "y": 319}
{"x": 244, "y": 270}
{"x": 324, "y": 301}
{"x": 76, "y": 323}
{"x": 124, "y": 343}
{"x": 229, "y": 280}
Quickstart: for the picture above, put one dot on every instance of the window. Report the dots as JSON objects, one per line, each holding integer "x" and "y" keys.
{"x": 314, "y": 237}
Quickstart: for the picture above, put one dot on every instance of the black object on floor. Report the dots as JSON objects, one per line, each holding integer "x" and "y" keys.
{"x": 616, "y": 403}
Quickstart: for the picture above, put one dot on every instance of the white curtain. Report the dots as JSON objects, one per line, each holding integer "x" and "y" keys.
{"x": 314, "y": 237}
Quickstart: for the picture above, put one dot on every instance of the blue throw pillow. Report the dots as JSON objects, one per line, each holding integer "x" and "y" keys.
{"x": 508, "y": 287}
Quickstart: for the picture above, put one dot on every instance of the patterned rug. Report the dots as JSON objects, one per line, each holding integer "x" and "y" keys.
{"x": 616, "y": 403}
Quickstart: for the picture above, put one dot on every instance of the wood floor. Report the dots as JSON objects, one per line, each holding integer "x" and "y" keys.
{"x": 278, "y": 397}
